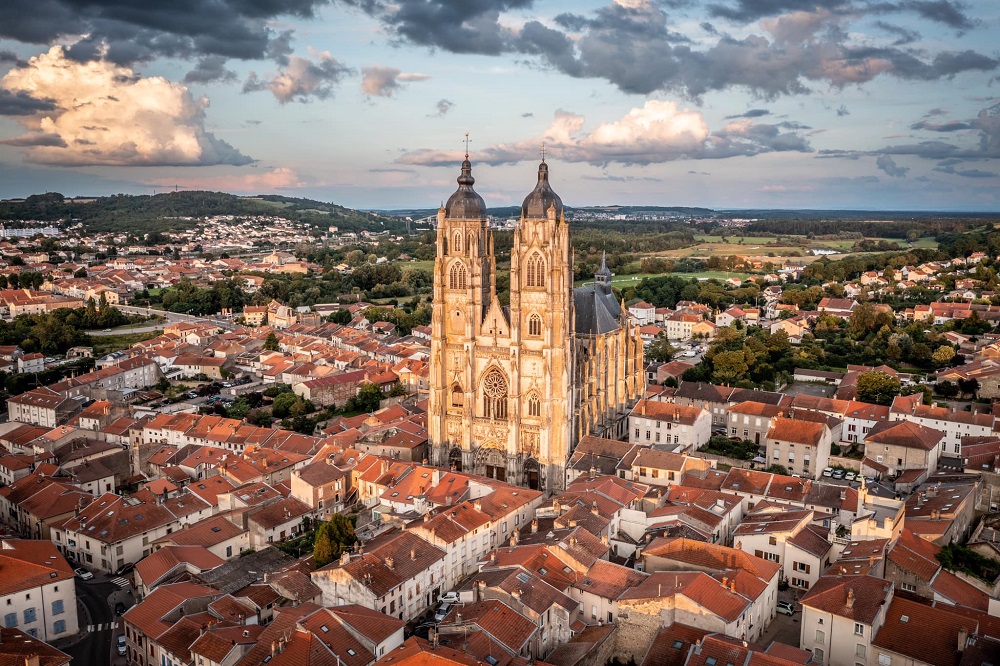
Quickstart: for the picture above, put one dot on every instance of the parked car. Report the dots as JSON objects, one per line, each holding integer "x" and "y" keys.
{"x": 442, "y": 612}
{"x": 121, "y": 644}
{"x": 449, "y": 598}
{"x": 839, "y": 473}
{"x": 120, "y": 608}
{"x": 850, "y": 476}
{"x": 828, "y": 471}
{"x": 126, "y": 568}
{"x": 786, "y": 608}
{"x": 83, "y": 574}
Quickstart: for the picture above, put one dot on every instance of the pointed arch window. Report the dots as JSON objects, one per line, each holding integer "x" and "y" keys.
{"x": 495, "y": 395}
{"x": 457, "y": 397}
{"x": 534, "y": 405}
{"x": 535, "y": 271}
{"x": 535, "y": 326}
{"x": 458, "y": 277}
{"x": 457, "y": 245}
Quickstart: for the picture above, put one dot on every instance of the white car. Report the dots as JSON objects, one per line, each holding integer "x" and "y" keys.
{"x": 83, "y": 574}
{"x": 828, "y": 471}
{"x": 850, "y": 476}
{"x": 449, "y": 598}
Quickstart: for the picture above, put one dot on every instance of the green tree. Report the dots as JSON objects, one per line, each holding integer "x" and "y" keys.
{"x": 323, "y": 547}
{"x": 947, "y": 389}
{"x": 284, "y": 405}
{"x": 943, "y": 355}
{"x": 777, "y": 469}
{"x": 368, "y": 399}
{"x": 271, "y": 343}
{"x": 729, "y": 367}
{"x": 877, "y": 388}
{"x": 660, "y": 349}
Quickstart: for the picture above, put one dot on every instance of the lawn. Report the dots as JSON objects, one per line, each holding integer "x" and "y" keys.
{"x": 926, "y": 243}
{"x": 105, "y": 344}
{"x": 734, "y": 239}
{"x": 422, "y": 265}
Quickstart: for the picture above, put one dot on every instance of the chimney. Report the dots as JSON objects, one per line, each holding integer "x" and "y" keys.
{"x": 427, "y": 517}
{"x": 572, "y": 542}
{"x": 604, "y": 539}
{"x": 555, "y": 505}
{"x": 725, "y": 581}
{"x": 31, "y": 660}
{"x": 963, "y": 639}
{"x": 871, "y": 560}
{"x": 593, "y": 509}
{"x": 413, "y": 553}
{"x": 516, "y": 594}
{"x": 389, "y": 562}
{"x": 697, "y": 646}
{"x": 534, "y": 526}
{"x": 850, "y": 597}
{"x": 478, "y": 505}
{"x": 732, "y": 585}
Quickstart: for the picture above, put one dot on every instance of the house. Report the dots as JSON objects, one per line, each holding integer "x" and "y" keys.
{"x": 30, "y": 363}
{"x": 669, "y": 426}
{"x": 18, "y": 647}
{"x": 838, "y": 307}
{"x": 803, "y": 447}
{"x": 664, "y": 468}
{"x": 42, "y": 406}
{"x": 322, "y": 486}
{"x": 401, "y": 577}
{"x": 954, "y": 424}
{"x": 644, "y": 312}
{"x": 788, "y": 538}
{"x": 149, "y": 621}
{"x": 917, "y": 634}
{"x": 38, "y": 595}
{"x": 841, "y": 616}
{"x": 191, "y": 366}
{"x": 901, "y": 446}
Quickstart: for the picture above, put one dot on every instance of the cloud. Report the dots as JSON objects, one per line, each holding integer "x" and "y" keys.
{"x": 633, "y": 46}
{"x": 903, "y": 35}
{"x": 20, "y": 103}
{"x": 752, "y": 113}
{"x": 128, "y": 33}
{"x": 444, "y": 106}
{"x": 940, "y": 127}
{"x": 842, "y": 111}
{"x": 656, "y": 132}
{"x": 946, "y": 167}
{"x": 102, "y": 114}
{"x": 210, "y": 69}
{"x": 527, "y": 114}
{"x": 381, "y": 81}
{"x": 253, "y": 183}
{"x": 889, "y": 166}
{"x": 302, "y": 78}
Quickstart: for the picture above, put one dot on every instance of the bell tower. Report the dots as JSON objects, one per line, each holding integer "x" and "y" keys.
{"x": 541, "y": 321}
{"x": 463, "y": 289}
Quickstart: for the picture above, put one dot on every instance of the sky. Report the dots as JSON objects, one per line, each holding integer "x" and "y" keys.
{"x": 846, "y": 104}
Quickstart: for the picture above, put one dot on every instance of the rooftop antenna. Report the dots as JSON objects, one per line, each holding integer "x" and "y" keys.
{"x": 467, "y": 140}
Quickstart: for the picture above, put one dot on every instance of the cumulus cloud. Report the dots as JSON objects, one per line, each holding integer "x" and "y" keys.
{"x": 20, "y": 103}
{"x": 302, "y": 78}
{"x": 378, "y": 81}
{"x": 658, "y": 131}
{"x": 97, "y": 113}
{"x": 889, "y": 166}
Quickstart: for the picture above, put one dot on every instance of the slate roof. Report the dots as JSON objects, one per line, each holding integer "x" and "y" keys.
{"x": 597, "y": 310}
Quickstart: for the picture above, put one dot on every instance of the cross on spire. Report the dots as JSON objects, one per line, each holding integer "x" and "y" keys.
{"x": 467, "y": 139}
{"x": 543, "y": 151}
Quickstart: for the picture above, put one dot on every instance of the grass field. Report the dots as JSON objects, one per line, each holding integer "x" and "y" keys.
{"x": 625, "y": 280}
{"x": 105, "y": 344}
{"x": 735, "y": 239}
{"x": 426, "y": 265}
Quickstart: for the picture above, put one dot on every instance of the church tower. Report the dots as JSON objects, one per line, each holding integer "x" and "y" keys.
{"x": 541, "y": 322}
{"x": 463, "y": 290}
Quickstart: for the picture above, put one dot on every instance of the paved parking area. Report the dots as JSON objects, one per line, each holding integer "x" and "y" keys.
{"x": 783, "y": 629}
{"x": 808, "y": 388}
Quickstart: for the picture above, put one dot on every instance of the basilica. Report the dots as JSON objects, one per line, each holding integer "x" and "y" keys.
{"x": 513, "y": 388}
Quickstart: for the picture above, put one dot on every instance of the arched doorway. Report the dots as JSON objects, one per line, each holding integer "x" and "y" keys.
{"x": 491, "y": 461}
{"x": 532, "y": 475}
{"x": 455, "y": 459}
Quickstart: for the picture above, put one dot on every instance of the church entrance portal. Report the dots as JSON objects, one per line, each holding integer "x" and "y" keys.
{"x": 531, "y": 475}
{"x": 491, "y": 462}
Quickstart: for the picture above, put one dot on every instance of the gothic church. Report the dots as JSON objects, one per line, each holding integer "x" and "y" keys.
{"x": 513, "y": 389}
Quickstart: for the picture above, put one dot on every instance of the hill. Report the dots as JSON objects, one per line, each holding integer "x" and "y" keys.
{"x": 176, "y": 211}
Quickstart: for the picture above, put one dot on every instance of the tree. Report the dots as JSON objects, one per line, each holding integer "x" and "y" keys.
{"x": 968, "y": 386}
{"x": 368, "y": 399}
{"x": 947, "y": 389}
{"x": 341, "y": 316}
{"x": 660, "y": 349}
{"x": 285, "y": 404}
{"x": 323, "y": 547}
{"x": 943, "y": 355}
{"x": 777, "y": 469}
{"x": 271, "y": 343}
{"x": 877, "y": 388}
{"x": 730, "y": 367}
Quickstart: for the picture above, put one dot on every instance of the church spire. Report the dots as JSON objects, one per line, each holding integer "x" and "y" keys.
{"x": 603, "y": 276}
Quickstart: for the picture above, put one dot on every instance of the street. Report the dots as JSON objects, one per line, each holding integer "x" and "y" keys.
{"x": 98, "y": 623}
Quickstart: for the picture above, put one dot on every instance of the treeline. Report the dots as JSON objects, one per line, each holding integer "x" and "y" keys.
{"x": 57, "y": 331}
{"x": 867, "y": 228}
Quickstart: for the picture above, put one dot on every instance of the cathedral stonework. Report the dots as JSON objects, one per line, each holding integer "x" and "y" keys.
{"x": 513, "y": 389}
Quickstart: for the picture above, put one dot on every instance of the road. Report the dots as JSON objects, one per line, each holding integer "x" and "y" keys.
{"x": 98, "y": 615}
{"x": 174, "y": 317}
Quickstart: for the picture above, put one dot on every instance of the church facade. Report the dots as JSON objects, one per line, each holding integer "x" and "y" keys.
{"x": 513, "y": 389}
